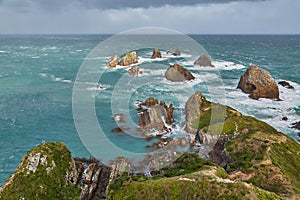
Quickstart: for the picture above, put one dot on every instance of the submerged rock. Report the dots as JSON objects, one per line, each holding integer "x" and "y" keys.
{"x": 174, "y": 53}
{"x": 286, "y": 84}
{"x": 203, "y": 61}
{"x": 259, "y": 84}
{"x": 156, "y": 54}
{"x": 177, "y": 73}
{"x": 134, "y": 71}
{"x": 129, "y": 59}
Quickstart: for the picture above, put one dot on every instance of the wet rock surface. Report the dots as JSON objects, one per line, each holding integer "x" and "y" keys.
{"x": 259, "y": 84}
{"x": 203, "y": 61}
{"x": 177, "y": 73}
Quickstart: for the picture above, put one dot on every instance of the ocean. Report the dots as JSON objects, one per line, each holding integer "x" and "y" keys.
{"x": 38, "y": 72}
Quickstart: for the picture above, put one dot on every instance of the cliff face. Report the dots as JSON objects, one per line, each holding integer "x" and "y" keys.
{"x": 45, "y": 172}
{"x": 49, "y": 172}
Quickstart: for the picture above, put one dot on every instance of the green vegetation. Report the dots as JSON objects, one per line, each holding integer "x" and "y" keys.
{"x": 41, "y": 184}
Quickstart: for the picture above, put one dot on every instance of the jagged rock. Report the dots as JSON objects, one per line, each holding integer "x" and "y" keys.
{"x": 113, "y": 61}
{"x": 128, "y": 59}
{"x": 156, "y": 54}
{"x": 259, "y": 84}
{"x": 177, "y": 73}
{"x": 218, "y": 155}
{"x": 153, "y": 116}
{"x": 87, "y": 174}
{"x": 203, "y": 61}
{"x": 134, "y": 71}
{"x": 176, "y": 53}
{"x": 286, "y": 84}
{"x": 296, "y": 125}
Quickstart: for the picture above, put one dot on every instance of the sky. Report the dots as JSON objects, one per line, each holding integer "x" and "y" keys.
{"x": 114, "y": 16}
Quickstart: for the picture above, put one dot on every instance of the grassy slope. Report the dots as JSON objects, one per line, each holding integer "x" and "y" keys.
{"x": 42, "y": 185}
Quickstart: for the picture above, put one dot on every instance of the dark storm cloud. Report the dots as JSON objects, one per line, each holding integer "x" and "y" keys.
{"x": 56, "y": 5}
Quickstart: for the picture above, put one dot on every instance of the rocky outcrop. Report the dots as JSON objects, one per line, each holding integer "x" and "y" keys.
{"x": 134, "y": 71}
{"x": 154, "y": 115}
{"x": 259, "y": 84}
{"x": 156, "y": 54}
{"x": 203, "y": 61}
{"x": 129, "y": 59}
{"x": 286, "y": 84}
{"x": 113, "y": 61}
{"x": 174, "y": 53}
{"x": 193, "y": 107}
{"x": 177, "y": 73}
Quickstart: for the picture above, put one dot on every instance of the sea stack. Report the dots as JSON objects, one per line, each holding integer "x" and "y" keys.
{"x": 259, "y": 83}
{"x": 177, "y": 73}
{"x": 203, "y": 61}
{"x": 128, "y": 59}
{"x": 156, "y": 54}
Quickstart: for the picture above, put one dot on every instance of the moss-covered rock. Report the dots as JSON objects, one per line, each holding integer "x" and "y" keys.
{"x": 45, "y": 172}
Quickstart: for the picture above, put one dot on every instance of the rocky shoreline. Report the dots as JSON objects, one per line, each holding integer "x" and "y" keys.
{"x": 247, "y": 157}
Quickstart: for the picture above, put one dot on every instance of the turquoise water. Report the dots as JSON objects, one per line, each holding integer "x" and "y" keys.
{"x": 37, "y": 73}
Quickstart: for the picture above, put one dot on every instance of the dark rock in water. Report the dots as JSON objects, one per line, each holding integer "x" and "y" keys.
{"x": 134, "y": 71}
{"x": 152, "y": 116}
{"x": 296, "y": 125}
{"x": 286, "y": 84}
{"x": 259, "y": 84}
{"x": 113, "y": 61}
{"x": 218, "y": 155}
{"x": 299, "y": 134}
{"x": 177, "y": 73}
{"x": 119, "y": 129}
{"x": 176, "y": 53}
{"x": 156, "y": 54}
{"x": 170, "y": 51}
{"x": 128, "y": 59}
{"x": 284, "y": 118}
{"x": 203, "y": 61}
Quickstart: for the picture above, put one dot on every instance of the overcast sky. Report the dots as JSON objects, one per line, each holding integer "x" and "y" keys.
{"x": 113, "y": 16}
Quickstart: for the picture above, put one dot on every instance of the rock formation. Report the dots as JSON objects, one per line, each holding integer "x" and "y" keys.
{"x": 203, "y": 61}
{"x": 286, "y": 84}
{"x": 177, "y": 73}
{"x": 296, "y": 125}
{"x": 128, "y": 59}
{"x": 154, "y": 115}
{"x": 113, "y": 61}
{"x": 156, "y": 54}
{"x": 134, "y": 71}
{"x": 174, "y": 53}
{"x": 259, "y": 84}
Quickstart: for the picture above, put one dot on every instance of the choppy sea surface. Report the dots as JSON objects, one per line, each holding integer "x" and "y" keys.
{"x": 37, "y": 74}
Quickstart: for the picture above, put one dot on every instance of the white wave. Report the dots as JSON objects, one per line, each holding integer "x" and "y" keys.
{"x": 24, "y": 47}
{"x": 59, "y": 79}
{"x": 1, "y": 51}
{"x": 42, "y": 75}
{"x": 268, "y": 110}
{"x": 78, "y": 50}
{"x": 35, "y": 57}
{"x": 226, "y": 65}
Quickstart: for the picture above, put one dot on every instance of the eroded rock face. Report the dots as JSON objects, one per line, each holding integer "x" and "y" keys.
{"x": 154, "y": 115}
{"x": 192, "y": 111}
{"x": 128, "y": 59}
{"x": 156, "y": 54}
{"x": 259, "y": 84}
{"x": 113, "y": 61}
{"x": 177, "y": 73}
{"x": 203, "y": 61}
{"x": 286, "y": 84}
{"x": 218, "y": 155}
{"x": 134, "y": 71}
